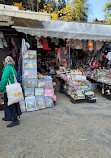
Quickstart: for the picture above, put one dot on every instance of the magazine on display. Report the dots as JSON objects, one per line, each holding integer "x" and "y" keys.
{"x": 32, "y": 82}
{"x": 48, "y": 101}
{"x": 40, "y": 102}
{"x": 30, "y": 54}
{"x": 39, "y": 91}
{"x": 41, "y": 84}
{"x": 49, "y": 92}
{"x": 30, "y": 64}
{"x": 29, "y": 92}
{"x": 22, "y": 106}
{"x": 30, "y": 73}
{"x": 30, "y": 104}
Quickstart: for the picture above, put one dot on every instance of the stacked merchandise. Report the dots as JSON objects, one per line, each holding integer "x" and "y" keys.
{"x": 76, "y": 85}
{"x": 29, "y": 78}
{"x": 46, "y": 85}
{"x": 103, "y": 79}
{"x": 101, "y": 75}
{"x": 38, "y": 89}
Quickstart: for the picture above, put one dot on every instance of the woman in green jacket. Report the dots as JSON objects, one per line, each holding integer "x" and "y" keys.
{"x": 12, "y": 111}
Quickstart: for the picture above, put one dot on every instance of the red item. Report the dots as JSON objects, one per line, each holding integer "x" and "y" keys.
{"x": 96, "y": 64}
{"x": 59, "y": 55}
{"x": 101, "y": 57}
{"x": 51, "y": 64}
{"x": 45, "y": 44}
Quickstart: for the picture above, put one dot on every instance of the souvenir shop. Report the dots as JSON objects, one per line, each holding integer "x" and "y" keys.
{"x": 59, "y": 61}
{"x": 64, "y": 57}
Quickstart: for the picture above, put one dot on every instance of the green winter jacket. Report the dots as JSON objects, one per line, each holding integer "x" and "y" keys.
{"x": 7, "y": 74}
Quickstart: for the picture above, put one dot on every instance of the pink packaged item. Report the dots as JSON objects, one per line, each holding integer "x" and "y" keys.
{"x": 54, "y": 97}
{"x": 49, "y": 92}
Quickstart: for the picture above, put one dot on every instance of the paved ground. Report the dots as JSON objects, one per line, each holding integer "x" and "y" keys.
{"x": 65, "y": 131}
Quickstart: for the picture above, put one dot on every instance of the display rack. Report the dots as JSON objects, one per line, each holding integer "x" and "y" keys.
{"x": 38, "y": 89}
{"x": 102, "y": 78}
{"x": 78, "y": 90}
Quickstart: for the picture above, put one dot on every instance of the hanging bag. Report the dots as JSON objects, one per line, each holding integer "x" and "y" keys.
{"x": 101, "y": 57}
{"x": 14, "y": 91}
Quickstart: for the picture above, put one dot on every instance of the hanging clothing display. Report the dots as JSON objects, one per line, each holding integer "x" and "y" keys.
{"x": 90, "y": 44}
{"x": 108, "y": 56}
{"x": 94, "y": 46}
{"x": 45, "y": 44}
{"x": 1, "y": 44}
{"x": 59, "y": 55}
{"x": 99, "y": 45}
{"x": 55, "y": 41}
{"x": 98, "y": 55}
{"x": 64, "y": 56}
{"x": 85, "y": 45}
{"x": 39, "y": 42}
{"x": 78, "y": 44}
{"x": 13, "y": 51}
{"x": 101, "y": 57}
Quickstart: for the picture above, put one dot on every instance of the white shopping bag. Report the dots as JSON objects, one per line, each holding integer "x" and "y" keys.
{"x": 14, "y": 92}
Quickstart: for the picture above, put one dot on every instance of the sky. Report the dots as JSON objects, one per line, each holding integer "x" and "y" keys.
{"x": 96, "y": 9}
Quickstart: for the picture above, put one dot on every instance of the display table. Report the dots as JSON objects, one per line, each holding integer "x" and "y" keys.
{"x": 103, "y": 87}
{"x": 76, "y": 87}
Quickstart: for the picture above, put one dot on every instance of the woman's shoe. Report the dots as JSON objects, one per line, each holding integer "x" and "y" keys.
{"x": 5, "y": 119}
{"x": 14, "y": 123}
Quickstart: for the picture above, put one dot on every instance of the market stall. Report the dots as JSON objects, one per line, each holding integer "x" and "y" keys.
{"x": 73, "y": 45}
{"x": 52, "y": 54}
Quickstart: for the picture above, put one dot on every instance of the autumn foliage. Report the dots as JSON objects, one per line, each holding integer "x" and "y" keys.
{"x": 73, "y": 11}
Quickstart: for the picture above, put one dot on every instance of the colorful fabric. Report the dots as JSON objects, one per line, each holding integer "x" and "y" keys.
{"x": 13, "y": 50}
{"x": 90, "y": 44}
{"x": 101, "y": 57}
{"x": 99, "y": 45}
{"x": 45, "y": 44}
{"x": 59, "y": 55}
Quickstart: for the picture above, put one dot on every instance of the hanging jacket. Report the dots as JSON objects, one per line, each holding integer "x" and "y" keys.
{"x": 7, "y": 74}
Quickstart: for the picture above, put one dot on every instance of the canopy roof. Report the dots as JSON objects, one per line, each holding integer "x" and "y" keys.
{"x": 71, "y": 30}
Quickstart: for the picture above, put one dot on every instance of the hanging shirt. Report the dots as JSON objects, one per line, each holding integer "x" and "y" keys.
{"x": 99, "y": 45}
{"x": 108, "y": 56}
{"x": 45, "y": 44}
{"x": 59, "y": 55}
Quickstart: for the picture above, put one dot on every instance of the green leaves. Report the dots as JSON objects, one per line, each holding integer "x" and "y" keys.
{"x": 107, "y": 10}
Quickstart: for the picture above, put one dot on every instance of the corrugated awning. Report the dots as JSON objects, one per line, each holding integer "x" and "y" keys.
{"x": 71, "y": 30}
{"x": 24, "y": 14}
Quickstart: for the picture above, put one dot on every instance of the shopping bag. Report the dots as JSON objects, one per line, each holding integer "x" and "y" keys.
{"x": 14, "y": 91}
